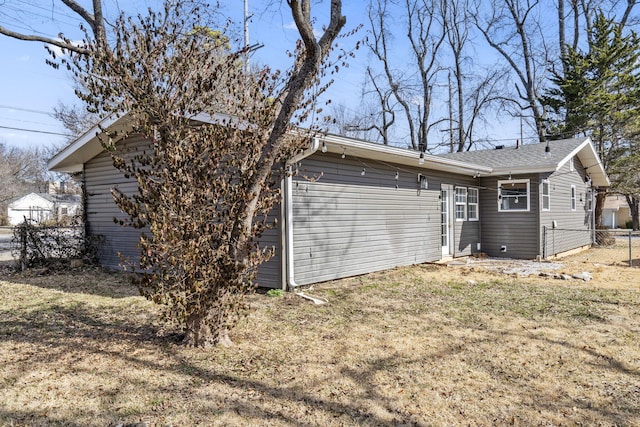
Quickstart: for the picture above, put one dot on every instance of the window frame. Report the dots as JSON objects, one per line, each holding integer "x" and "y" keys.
{"x": 457, "y": 203}
{"x": 476, "y": 217}
{"x": 572, "y": 166}
{"x": 504, "y": 183}
{"x": 545, "y": 196}
{"x": 572, "y": 195}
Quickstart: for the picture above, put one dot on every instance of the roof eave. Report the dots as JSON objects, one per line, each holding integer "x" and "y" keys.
{"x": 388, "y": 154}
{"x": 524, "y": 170}
{"x": 72, "y": 158}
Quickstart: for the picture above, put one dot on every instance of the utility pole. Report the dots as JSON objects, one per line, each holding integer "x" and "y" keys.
{"x": 450, "y": 115}
{"x": 246, "y": 36}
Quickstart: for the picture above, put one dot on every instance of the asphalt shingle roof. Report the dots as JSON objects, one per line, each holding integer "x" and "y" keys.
{"x": 526, "y": 156}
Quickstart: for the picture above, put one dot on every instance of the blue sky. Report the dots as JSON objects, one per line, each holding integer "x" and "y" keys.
{"x": 30, "y": 89}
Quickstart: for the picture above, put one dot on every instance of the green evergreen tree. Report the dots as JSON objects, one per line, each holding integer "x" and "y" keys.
{"x": 597, "y": 93}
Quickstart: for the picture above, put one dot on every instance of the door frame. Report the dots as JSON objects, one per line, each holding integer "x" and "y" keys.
{"x": 446, "y": 219}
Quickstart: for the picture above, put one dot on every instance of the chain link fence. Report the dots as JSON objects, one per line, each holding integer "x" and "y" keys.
{"x": 614, "y": 246}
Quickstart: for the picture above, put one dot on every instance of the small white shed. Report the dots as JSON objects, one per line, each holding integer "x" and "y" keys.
{"x": 39, "y": 207}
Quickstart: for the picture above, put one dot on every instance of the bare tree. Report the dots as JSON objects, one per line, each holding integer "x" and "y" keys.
{"x": 375, "y": 115}
{"x": 74, "y": 118}
{"x": 425, "y": 35}
{"x": 513, "y": 30}
{"x": 474, "y": 93}
{"x": 23, "y": 171}
{"x": 94, "y": 18}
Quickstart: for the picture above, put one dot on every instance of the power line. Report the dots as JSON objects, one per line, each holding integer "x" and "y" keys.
{"x": 28, "y": 110}
{"x": 34, "y": 131}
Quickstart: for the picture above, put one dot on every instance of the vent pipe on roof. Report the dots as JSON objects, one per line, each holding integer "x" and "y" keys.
{"x": 499, "y": 147}
{"x": 517, "y": 144}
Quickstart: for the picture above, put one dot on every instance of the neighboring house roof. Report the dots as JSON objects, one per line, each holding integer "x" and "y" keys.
{"x": 530, "y": 158}
{"x": 49, "y": 198}
{"x": 60, "y": 198}
{"x": 37, "y": 197}
{"x": 615, "y": 202}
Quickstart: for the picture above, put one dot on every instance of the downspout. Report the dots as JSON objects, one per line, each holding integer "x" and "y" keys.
{"x": 287, "y": 231}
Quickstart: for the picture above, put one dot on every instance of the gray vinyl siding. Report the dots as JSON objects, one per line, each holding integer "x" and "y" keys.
{"x": 573, "y": 227}
{"x": 466, "y": 233}
{"x": 518, "y": 231}
{"x": 270, "y": 272}
{"x": 346, "y": 223}
{"x": 101, "y": 176}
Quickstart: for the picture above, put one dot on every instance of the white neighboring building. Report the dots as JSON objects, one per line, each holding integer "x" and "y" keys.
{"x": 39, "y": 207}
{"x": 615, "y": 212}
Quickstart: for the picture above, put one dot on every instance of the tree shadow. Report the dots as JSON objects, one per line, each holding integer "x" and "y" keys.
{"x": 58, "y": 331}
{"x": 86, "y": 280}
{"x": 77, "y": 330}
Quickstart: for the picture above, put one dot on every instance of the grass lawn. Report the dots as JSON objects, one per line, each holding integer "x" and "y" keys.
{"x": 425, "y": 345}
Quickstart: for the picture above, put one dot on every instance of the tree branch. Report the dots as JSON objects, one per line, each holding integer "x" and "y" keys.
{"x": 55, "y": 42}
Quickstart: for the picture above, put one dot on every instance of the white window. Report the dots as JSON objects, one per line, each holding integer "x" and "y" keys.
{"x": 571, "y": 165}
{"x": 589, "y": 204}
{"x": 513, "y": 195}
{"x": 573, "y": 197}
{"x": 472, "y": 204}
{"x": 546, "y": 195}
{"x": 461, "y": 203}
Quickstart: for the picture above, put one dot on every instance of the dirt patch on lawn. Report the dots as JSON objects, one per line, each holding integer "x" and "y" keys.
{"x": 606, "y": 266}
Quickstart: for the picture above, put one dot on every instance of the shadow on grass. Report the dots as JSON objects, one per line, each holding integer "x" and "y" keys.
{"x": 78, "y": 330}
{"x": 27, "y": 418}
{"x": 58, "y": 331}
{"x": 88, "y": 280}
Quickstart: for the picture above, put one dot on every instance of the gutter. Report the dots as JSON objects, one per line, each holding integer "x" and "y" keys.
{"x": 286, "y": 232}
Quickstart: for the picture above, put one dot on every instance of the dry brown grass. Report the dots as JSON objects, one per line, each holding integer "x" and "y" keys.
{"x": 426, "y": 345}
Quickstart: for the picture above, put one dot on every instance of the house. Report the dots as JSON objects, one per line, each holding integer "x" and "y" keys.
{"x": 373, "y": 207}
{"x": 616, "y": 212}
{"x": 538, "y": 200}
{"x": 42, "y": 207}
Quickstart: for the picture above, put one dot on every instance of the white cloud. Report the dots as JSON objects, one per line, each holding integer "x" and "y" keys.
{"x": 292, "y": 26}
{"x": 59, "y": 52}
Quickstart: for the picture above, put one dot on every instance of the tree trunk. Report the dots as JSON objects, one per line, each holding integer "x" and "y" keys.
{"x": 198, "y": 332}
{"x": 600, "y": 196}
{"x": 634, "y": 206}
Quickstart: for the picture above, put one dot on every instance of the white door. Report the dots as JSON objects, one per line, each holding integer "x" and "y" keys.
{"x": 446, "y": 194}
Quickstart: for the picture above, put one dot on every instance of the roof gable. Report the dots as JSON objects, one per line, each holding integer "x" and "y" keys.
{"x": 533, "y": 158}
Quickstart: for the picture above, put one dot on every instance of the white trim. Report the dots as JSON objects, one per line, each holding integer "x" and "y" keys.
{"x": 463, "y": 203}
{"x": 511, "y": 182}
{"x": 287, "y": 230}
{"x": 476, "y": 204}
{"x": 447, "y": 216}
{"x": 72, "y": 158}
{"x": 542, "y": 195}
{"x": 387, "y": 154}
